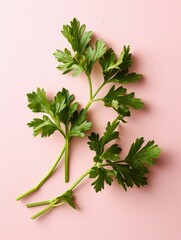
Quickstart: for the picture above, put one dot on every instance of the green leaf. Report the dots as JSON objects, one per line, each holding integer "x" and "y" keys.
{"x": 64, "y": 57}
{"x": 69, "y": 198}
{"x": 125, "y": 61}
{"x": 43, "y": 126}
{"x": 110, "y": 133}
{"x": 128, "y": 172}
{"x": 69, "y": 63}
{"x": 79, "y": 124}
{"x": 112, "y": 153}
{"x": 76, "y": 36}
{"x": 58, "y": 103}
{"x": 85, "y": 55}
{"x": 128, "y": 177}
{"x": 121, "y": 102}
{"x": 116, "y": 69}
{"x": 97, "y": 144}
{"x": 123, "y": 78}
{"x": 134, "y": 168}
{"x": 107, "y": 62}
{"x": 38, "y": 101}
{"x": 145, "y": 155}
{"x": 102, "y": 176}
{"x": 93, "y": 54}
{"x": 94, "y": 143}
{"x": 63, "y": 106}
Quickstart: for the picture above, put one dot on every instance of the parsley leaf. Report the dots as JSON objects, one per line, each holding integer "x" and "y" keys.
{"x": 85, "y": 55}
{"x": 144, "y": 155}
{"x": 79, "y": 124}
{"x": 116, "y": 70}
{"x": 110, "y": 133}
{"x": 44, "y": 126}
{"x": 76, "y": 36}
{"x": 98, "y": 145}
{"x": 108, "y": 165}
{"x": 79, "y": 40}
{"x": 128, "y": 177}
{"x": 121, "y": 102}
{"x": 94, "y": 143}
{"x": 134, "y": 168}
{"x": 123, "y": 77}
{"x": 61, "y": 110}
{"x": 93, "y": 54}
{"x": 69, "y": 63}
{"x": 112, "y": 153}
{"x": 38, "y": 101}
{"x": 69, "y": 198}
{"x": 65, "y": 99}
{"x": 101, "y": 175}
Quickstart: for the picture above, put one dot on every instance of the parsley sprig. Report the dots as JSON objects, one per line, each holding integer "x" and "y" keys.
{"x": 61, "y": 114}
{"x": 83, "y": 57}
{"x": 108, "y": 166}
{"x": 64, "y": 115}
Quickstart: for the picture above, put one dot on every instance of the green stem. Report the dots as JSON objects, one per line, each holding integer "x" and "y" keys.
{"x": 48, "y": 208}
{"x": 59, "y": 204}
{"x": 38, "y": 204}
{"x": 54, "y": 203}
{"x": 90, "y": 86}
{"x": 67, "y": 160}
{"x": 98, "y": 90}
{"x": 91, "y": 100}
{"x": 98, "y": 99}
{"x": 88, "y": 105}
{"x": 45, "y": 178}
{"x": 94, "y": 100}
{"x": 79, "y": 180}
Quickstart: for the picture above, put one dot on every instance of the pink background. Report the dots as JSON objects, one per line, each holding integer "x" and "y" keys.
{"x": 30, "y": 33}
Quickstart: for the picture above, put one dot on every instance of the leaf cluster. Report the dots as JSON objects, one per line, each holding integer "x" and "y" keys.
{"x": 108, "y": 165}
{"x": 84, "y": 55}
{"x": 62, "y": 110}
{"x": 114, "y": 69}
{"x": 121, "y": 102}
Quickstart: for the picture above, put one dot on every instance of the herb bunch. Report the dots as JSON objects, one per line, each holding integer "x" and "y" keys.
{"x": 64, "y": 115}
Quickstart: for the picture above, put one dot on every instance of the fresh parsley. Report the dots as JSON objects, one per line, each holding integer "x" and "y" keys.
{"x": 108, "y": 165}
{"x": 63, "y": 114}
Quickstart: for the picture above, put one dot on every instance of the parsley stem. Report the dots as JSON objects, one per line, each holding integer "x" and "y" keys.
{"x": 48, "y": 208}
{"x": 88, "y": 105}
{"x": 67, "y": 159}
{"x": 79, "y": 179}
{"x": 54, "y": 203}
{"x": 98, "y": 99}
{"x": 38, "y": 204}
{"x": 45, "y": 178}
{"x": 94, "y": 100}
{"x": 90, "y": 86}
{"x": 98, "y": 90}
{"x": 93, "y": 96}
